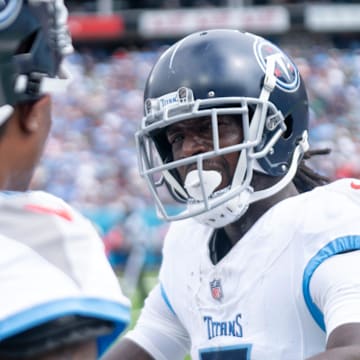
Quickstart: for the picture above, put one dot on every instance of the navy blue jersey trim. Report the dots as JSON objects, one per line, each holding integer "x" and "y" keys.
{"x": 337, "y": 246}
{"x": 166, "y": 299}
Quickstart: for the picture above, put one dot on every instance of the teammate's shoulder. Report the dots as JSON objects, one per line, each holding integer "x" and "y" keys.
{"x": 38, "y": 211}
{"x": 16, "y": 198}
{"x": 39, "y": 202}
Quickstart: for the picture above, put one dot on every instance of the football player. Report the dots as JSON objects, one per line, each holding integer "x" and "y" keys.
{"x": 59, "y": 295}
{"x": 262, "y": 259}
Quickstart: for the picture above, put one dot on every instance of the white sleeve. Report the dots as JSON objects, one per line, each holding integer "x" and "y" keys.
{"x": 335, "y": 289}
{"x": 159, "y": 331}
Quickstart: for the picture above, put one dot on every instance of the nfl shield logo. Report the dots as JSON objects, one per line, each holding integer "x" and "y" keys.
{"x": 216, "y": 289}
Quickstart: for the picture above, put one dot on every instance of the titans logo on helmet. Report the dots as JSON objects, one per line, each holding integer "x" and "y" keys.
{"x": 9, "y": 10}
{"x": 287, "y": 75}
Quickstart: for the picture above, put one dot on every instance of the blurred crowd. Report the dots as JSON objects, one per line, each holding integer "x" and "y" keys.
{"x": 90, "y": 160}
{"x": 332, "y": 77}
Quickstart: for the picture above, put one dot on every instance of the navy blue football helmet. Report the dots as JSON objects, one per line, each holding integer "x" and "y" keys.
{"x": 217, "y": 72}
{"x": 34, "y": 39}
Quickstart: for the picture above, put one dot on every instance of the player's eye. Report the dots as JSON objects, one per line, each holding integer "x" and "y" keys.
{"x": 174, "y": 137}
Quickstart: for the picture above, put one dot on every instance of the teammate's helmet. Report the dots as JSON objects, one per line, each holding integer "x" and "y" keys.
{"x": 217, "y": 72}
{"x": 34, "y": 38}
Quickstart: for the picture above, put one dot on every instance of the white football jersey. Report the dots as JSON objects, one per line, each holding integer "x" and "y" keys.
{"x": 52, "y": 264}
{"x": 256, "y": 302}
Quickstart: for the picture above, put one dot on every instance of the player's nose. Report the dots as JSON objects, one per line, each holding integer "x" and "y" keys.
{"x": 194, "y": 144}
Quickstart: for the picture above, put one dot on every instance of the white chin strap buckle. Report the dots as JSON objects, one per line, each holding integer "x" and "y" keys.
{"x": 197, "y": 186}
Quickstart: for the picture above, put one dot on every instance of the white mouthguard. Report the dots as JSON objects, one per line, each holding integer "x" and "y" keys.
{"x": 194, "y": 186}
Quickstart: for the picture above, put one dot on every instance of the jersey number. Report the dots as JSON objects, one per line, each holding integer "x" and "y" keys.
{"x": 226, "y": 353}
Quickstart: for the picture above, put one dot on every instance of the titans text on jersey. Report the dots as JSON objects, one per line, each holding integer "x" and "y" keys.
{"x": 223, "y": 328}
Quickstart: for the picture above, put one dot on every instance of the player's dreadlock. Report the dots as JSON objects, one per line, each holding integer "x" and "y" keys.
{"x": 305, "y": 178}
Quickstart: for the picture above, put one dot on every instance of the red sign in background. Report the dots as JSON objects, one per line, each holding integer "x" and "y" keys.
{"x": 95, "y": 27}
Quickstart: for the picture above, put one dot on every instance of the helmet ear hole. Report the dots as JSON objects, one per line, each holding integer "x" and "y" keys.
{"x": 289, "y": 127}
